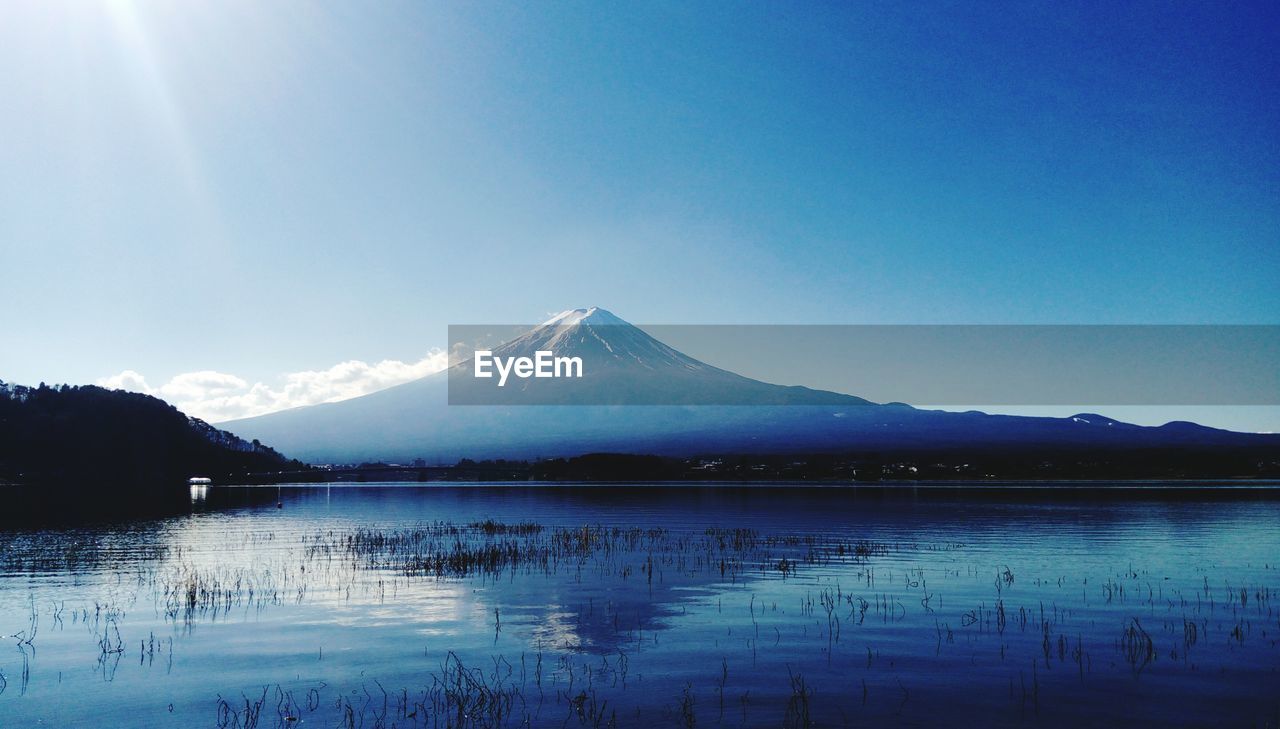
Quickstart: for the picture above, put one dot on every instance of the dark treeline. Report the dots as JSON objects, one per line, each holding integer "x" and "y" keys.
{"x": 109, "y": 445}
{"x": 995, "y": 463}
{"x": 1209, "y": 462}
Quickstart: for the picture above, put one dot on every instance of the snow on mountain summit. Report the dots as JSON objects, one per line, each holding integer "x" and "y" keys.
{"x": 593, "y": 315}
{"x": 601, "y": 335}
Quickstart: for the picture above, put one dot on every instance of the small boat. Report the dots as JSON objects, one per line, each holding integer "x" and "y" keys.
{"x": 199, "y": 481}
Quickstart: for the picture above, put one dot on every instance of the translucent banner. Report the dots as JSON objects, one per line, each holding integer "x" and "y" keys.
{"x": 616, "y": 363}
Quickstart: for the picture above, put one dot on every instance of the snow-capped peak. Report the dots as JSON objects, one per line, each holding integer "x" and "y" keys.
{"x": 593, "y": 315}
{"x": 599, "y": 334}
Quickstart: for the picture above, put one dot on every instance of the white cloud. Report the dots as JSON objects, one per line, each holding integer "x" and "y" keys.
{"x": 127, "y": 380}
{"x": 218, "y": 396}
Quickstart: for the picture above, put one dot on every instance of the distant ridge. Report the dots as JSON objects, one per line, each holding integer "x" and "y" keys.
{"x": 98, "y": 442}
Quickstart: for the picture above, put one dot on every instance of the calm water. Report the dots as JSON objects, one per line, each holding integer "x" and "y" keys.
{"x": 562, "y": 606}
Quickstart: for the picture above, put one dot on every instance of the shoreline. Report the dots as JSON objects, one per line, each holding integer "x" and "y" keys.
{"x": 1011, "y": 485}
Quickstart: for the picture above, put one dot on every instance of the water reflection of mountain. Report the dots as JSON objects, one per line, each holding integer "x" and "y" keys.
{"x": 567, "y": 612}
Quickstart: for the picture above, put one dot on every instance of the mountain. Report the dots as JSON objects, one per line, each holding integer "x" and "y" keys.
{"x": 89, "y": 441}
{"x": 624, "y": 366}
{"x": 629, "y": 370}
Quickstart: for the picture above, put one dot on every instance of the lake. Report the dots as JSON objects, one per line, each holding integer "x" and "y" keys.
{"x": 489, "y": 605}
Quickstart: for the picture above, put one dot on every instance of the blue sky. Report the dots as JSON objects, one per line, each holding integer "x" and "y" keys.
{"x": 269, "y": 188}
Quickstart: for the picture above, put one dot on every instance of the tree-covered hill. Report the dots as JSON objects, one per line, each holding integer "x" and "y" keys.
{"x": 88, "y": 439}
